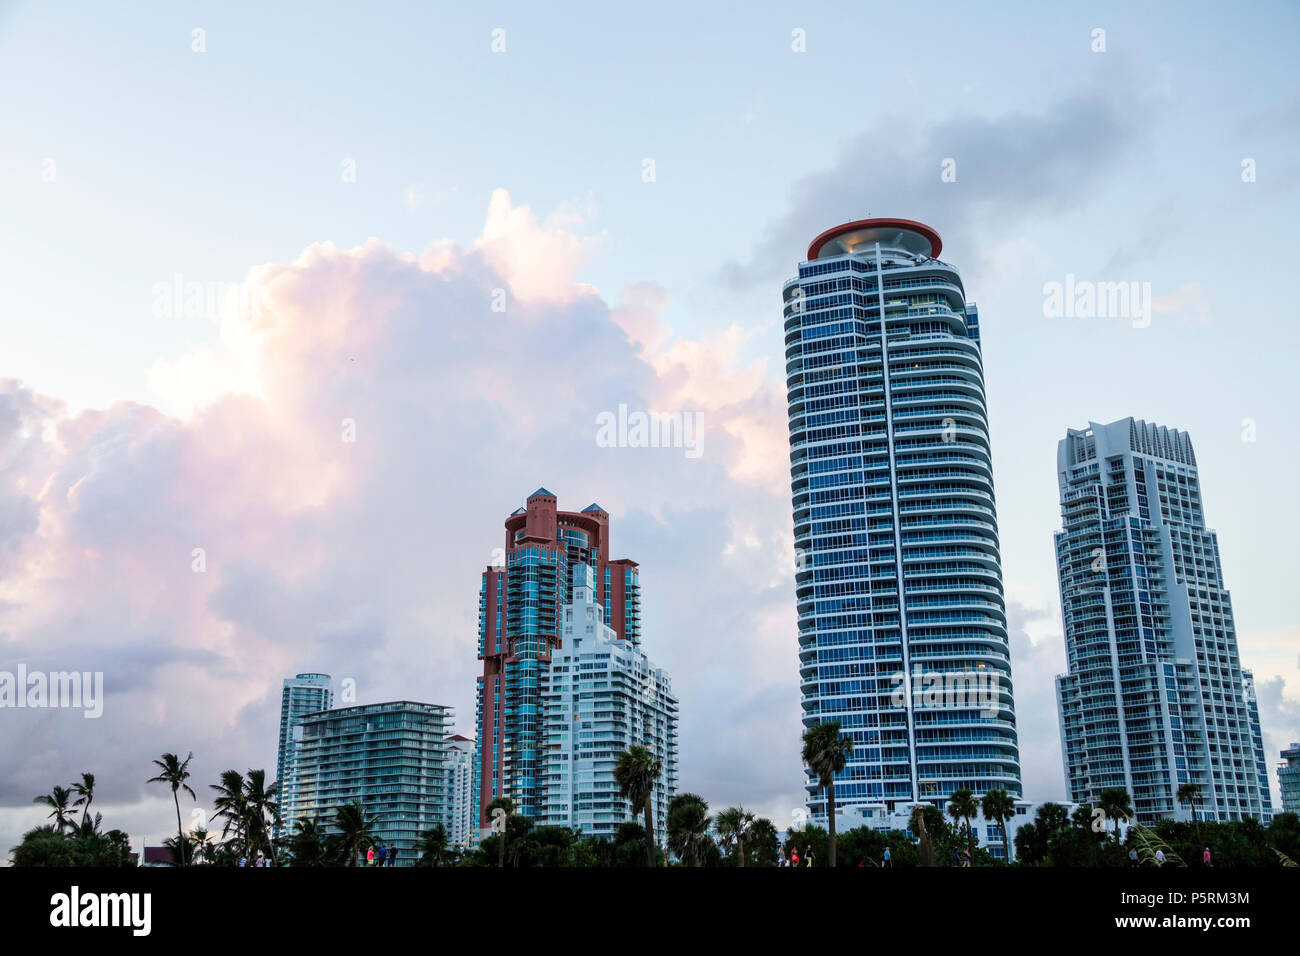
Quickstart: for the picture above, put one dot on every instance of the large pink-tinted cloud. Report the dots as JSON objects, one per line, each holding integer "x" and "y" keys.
{"x": 361, "y": 557}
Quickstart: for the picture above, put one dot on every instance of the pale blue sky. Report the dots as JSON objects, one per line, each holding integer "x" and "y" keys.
{"x": 1117, "y": 165}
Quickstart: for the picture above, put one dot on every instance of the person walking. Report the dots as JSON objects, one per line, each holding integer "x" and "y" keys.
{"x": 888, "y": 860}
{"x": 392, "y": 856}
{"x": 1205, "y": 859}
{"x": 370, "y": 857}
{"x": 794, "y": 857}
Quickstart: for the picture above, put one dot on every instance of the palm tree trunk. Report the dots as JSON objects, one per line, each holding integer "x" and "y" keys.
{"x": 501, "y": 848}
{"x": 1006, "y": 846}
{"x": 970, "y": 842}
{"x": 740, "y": 845}
{"x": 830, "y": 821}
{"x": 180, "y": 833}
{"x": 649, "y": 833}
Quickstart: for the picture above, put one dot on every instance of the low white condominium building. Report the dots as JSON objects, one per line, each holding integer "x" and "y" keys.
{"x": 600, "y": 696}
{"x": 1155, "y": 696}
{"x": 987, "y": 833}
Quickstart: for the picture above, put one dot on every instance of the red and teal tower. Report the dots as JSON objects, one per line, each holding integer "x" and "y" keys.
{"x": 520, "y": 608}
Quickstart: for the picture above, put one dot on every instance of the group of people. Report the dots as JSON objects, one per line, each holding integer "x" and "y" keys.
{"x": 794, "y": 858}
{"x": 807, "y": 859}
{"x": 1206, "y": 860}
{"x": 384, "y": 856}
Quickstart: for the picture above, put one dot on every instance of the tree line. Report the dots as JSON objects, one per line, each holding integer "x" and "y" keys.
{"x": 248, "y": 809}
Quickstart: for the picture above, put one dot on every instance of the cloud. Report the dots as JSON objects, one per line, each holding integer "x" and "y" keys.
{"x": 540, "y": 259}
{"x": 1034, "y": 666}
{"x": 1188, "y": 302}
{"x": 335, "y": 486}
{"x": 1008, "y": 168}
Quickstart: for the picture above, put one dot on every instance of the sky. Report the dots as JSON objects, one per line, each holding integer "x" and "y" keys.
{"x": 345, "y": 195}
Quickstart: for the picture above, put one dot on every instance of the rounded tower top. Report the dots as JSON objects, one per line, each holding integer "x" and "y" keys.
{"x": 914, "y": 237}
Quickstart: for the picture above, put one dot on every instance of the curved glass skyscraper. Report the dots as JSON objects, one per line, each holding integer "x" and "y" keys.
{"x": 902, "y": 624}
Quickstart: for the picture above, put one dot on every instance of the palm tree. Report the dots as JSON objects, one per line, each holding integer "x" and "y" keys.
{"x": 308, "y": 844}
{"x": 636, "y": 773}
{"x": 182, "y": 848}
{"x": 263, "y": 810}
{"x": 922, "y": 834}
{"x": 90, "y": 827}
{"x": 507, "y": 807}
{"x": 1190, "y": 793}
{"x": 231, "y": 804}
{"x": 825, "y": 752}
{"x": 733, "y": 827}
{"x": 354, "y": 830}
{"x": 174, "y": 773}
{"x": 57, "y": 799}
{"x": 432, "y": 845}
{"x": 1000, "y": 806}
{"x": 85, "y": 794}
{"x": 688, "y": 827}
{"x": 204, "y": 849}
{"x": 1116, "y": 804}
{"x": 963, "y": 805}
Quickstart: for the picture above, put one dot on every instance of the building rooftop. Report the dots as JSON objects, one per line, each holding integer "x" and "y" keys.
{"x": 906, "y": 234}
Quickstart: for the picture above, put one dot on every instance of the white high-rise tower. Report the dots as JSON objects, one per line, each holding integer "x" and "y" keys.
{"x": 301, "y": 695}
{"x": 1155, "y": 696}
{"x": 600, "y": 696}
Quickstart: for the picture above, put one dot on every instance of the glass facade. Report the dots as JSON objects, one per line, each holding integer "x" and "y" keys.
{"x": 301, "y": 695}
{"x": 1155, "y": 696}
{"x": 394, "y": 758}
{"x": 898, "y": 571}
{"x": 1288, "y": 778}
{"x": 520, "y": 604}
